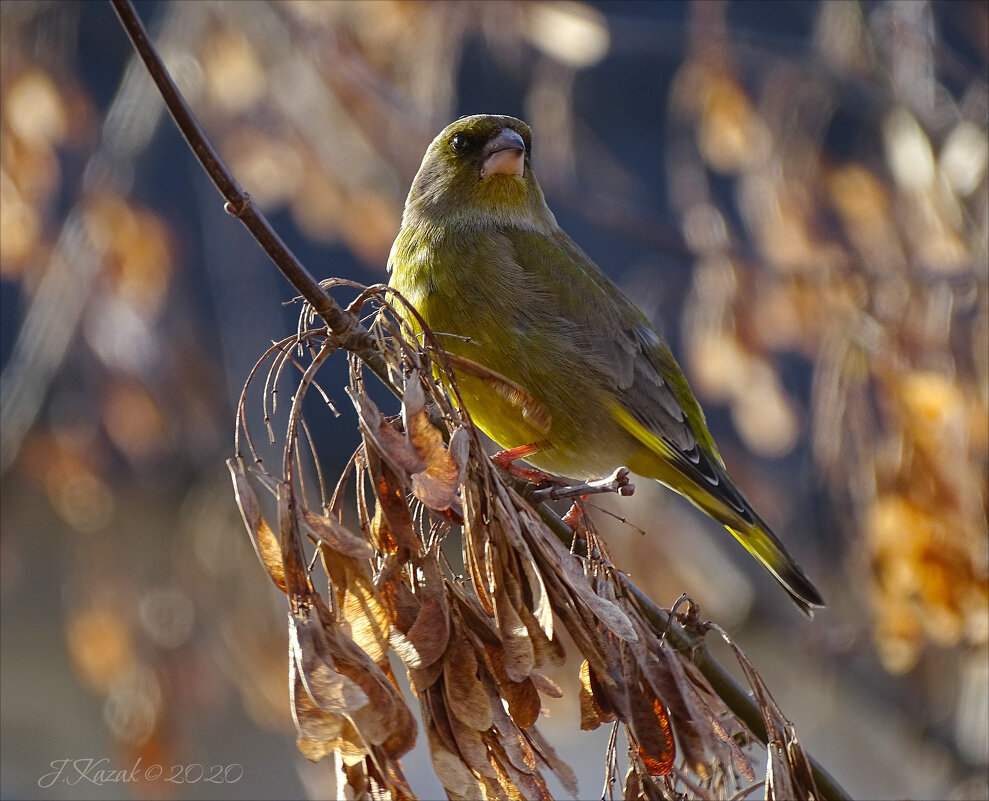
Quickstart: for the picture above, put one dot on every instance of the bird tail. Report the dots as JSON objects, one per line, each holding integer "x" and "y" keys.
{"x": 759, "y": 541}
{"x": 699, "y": 475}
{"x": 726, "y": 504}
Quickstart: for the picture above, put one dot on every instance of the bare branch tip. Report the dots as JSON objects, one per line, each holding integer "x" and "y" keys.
{"x": 617, "y": 482}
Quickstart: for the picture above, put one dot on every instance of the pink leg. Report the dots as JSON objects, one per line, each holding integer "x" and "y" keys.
{"x": 506, "y": 460}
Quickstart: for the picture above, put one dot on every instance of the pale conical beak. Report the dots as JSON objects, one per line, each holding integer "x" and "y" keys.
{"x": 504, "y": 154}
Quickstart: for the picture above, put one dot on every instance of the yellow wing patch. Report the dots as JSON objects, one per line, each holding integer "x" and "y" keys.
{"x": 641, "y": 433}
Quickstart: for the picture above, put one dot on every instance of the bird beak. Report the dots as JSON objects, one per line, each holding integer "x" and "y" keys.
{"x": 504, "y": 153}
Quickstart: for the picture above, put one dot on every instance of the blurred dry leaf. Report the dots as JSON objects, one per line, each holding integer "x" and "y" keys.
{"x": 575, "y": 34}
{"x": 34, "y": 109}
{"x": 137, "y": 254}
{"x": 875, "y": 274}
{"x": 234, "y": 74}
{"x": 100, "y": 646}
{"x": 134, "y": 422}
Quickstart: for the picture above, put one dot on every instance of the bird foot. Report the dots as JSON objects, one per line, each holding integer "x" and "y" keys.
{"x": 506, "y": 461}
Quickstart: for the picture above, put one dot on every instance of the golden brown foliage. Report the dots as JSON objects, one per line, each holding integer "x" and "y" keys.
{"x": 873, "y": 266}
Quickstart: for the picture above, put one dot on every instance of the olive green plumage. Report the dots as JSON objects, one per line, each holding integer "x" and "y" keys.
{"x": 548, "y": 351}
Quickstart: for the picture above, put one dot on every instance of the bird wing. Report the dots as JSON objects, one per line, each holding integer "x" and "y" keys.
{"x": 651, "y": 398}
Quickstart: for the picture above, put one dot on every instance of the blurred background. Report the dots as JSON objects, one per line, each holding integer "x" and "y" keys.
{"x": 795, "y": 193}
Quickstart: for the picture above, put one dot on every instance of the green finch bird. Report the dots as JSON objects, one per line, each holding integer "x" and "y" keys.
{"x": 552, "y": 361}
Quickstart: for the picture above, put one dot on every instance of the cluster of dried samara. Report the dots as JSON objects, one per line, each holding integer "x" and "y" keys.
{"x": 478, "y": 639}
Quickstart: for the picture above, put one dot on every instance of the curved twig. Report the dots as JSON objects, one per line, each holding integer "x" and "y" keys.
{"x": 345, "y": 327}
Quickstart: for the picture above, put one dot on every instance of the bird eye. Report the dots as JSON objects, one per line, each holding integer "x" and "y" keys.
{"x": 460, "y": 142}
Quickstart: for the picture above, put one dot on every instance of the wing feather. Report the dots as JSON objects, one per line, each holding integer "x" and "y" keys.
{"x": 617, "y": 340}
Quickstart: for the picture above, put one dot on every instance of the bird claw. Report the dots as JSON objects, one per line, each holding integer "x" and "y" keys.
{"x": 506, "y": 461}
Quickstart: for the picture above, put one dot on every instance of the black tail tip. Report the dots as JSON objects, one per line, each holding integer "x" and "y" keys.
{"x": 803, "y": 593}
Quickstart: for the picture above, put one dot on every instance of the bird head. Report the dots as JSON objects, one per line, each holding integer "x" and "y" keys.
{"x": 477, "y": 173}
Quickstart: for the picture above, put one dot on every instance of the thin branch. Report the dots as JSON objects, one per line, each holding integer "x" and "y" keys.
{"x": 731, "y": 692}
{"x": 346, "y": 329}
{"x": 617, "y": 482}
